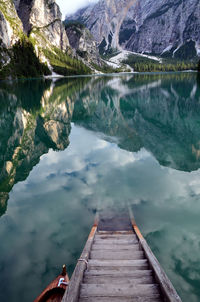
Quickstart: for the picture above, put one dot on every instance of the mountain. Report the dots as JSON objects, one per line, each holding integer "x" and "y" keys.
{"x": 82, "y": 41}
{"x": 42, "y": 21}
{"x": 33, "y": 41}
{"x": 10, "y": 29}
{"x": 170, "y": 27}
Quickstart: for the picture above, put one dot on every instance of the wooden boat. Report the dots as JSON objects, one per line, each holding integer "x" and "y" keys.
{"x": 56, "y": 289}
{"x": 117, "y": 265}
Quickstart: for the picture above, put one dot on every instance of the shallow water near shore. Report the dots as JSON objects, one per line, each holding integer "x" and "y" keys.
{"x": 71, "y": 147}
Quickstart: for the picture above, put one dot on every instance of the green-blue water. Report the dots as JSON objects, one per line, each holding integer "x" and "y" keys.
{"x": 70, "y": 147}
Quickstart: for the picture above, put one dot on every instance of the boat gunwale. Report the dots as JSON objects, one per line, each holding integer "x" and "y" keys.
{"x": 53, "y": 287}
{"x": 167, "y": 289}
{"x": 73, "y": 289}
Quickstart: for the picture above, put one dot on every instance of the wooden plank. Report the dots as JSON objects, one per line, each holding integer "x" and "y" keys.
{"x": 117, "y": 271}
{"x": 118, "y": 263}
{"x": 152, "y": 298}
{"x": 116, "y": 236}
{"x": 115, "y": 241}
{"x": 72, "y": 292}
{"x": 118, "y": 255}
{"x": 126, "y": 273}
{"x": 120, "y": 269}
{"x": 119, "y": 290}
{"x": 166, "y": 286}
{"x": 115, "y": 232}
{"x": 109, "y": 279}
{"x": 116, "y": 247}
{"x": 114, "y": 220}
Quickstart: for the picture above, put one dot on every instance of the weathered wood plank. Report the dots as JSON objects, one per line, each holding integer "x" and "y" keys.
{"x": 153, "y": 298}
{"x": 123, "y": 273}
{"x": 118, "y": 263}
{"x": 166, "y": 286}
{"x": 115, "y": 232}
{"x": 117, "y": 270}
{"x": 115, "y": 241}
{"x": 118, "y": 255}
{"x": 119, "y": 290}
{"x": 114, "y": 220}
{"x": 120, "y": 269}
{"x": 109, "y": 279}
{"x": 72, "y": 292}
{"x": 116, "y": 247}
{"x": 116, "y": 236}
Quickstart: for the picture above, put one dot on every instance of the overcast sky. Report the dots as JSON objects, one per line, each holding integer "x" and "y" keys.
{"x": 71, "y": 6}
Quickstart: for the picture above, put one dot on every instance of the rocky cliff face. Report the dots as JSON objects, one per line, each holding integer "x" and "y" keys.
{"x": 10, "y": 29}
{"x": 43, "y": 21}
{"x": 82, "y": 41}
{"x": 10, "y": 24}
{"x": 33, "y": 41}
{"x": 35, "y": 28}
{"x": 145, "y": 26}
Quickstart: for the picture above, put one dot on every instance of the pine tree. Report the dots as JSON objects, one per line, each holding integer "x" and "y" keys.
{"x": 199, "y": 66}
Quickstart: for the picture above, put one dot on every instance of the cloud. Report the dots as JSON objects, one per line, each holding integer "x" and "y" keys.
{"x": 70, "y": 7}
{"x": 50, "y": 213}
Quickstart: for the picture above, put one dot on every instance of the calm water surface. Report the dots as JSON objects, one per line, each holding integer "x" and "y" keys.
{"x": 71, "y": 147}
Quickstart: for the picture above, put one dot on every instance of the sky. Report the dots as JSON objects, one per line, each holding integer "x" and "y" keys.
{"x": 71, "y": 6}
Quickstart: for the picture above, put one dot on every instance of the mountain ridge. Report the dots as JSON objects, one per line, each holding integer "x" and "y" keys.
{"x": 145, "y": 26}
{"x": 34, "y": 42}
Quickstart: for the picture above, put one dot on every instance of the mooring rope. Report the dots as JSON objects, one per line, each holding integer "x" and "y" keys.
{"x": 84, "y": 260}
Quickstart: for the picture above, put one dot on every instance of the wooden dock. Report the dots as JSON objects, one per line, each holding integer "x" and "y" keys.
{"x": 117, "y": 265}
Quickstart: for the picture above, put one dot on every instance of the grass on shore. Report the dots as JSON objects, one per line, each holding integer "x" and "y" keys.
{"x": 64, "y": 64}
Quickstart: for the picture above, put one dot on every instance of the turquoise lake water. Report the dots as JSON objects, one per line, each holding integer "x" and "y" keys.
{"x": 74, "y": 146}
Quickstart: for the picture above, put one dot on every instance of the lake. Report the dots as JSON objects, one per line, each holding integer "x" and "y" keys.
{"x": 74, "y": 146}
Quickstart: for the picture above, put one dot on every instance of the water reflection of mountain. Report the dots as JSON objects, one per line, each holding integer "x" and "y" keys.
{"x": 35, "y": 116}
{"x": 158, "y": 112}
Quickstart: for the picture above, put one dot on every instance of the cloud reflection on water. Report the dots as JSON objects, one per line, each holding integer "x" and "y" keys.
{"x": 50, "y": 214}
{"x": 52, "y": 211}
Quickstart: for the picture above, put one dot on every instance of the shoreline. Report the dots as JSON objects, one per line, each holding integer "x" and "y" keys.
{"x": 58, "y": 77}
{"x": 119, "y": 73}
